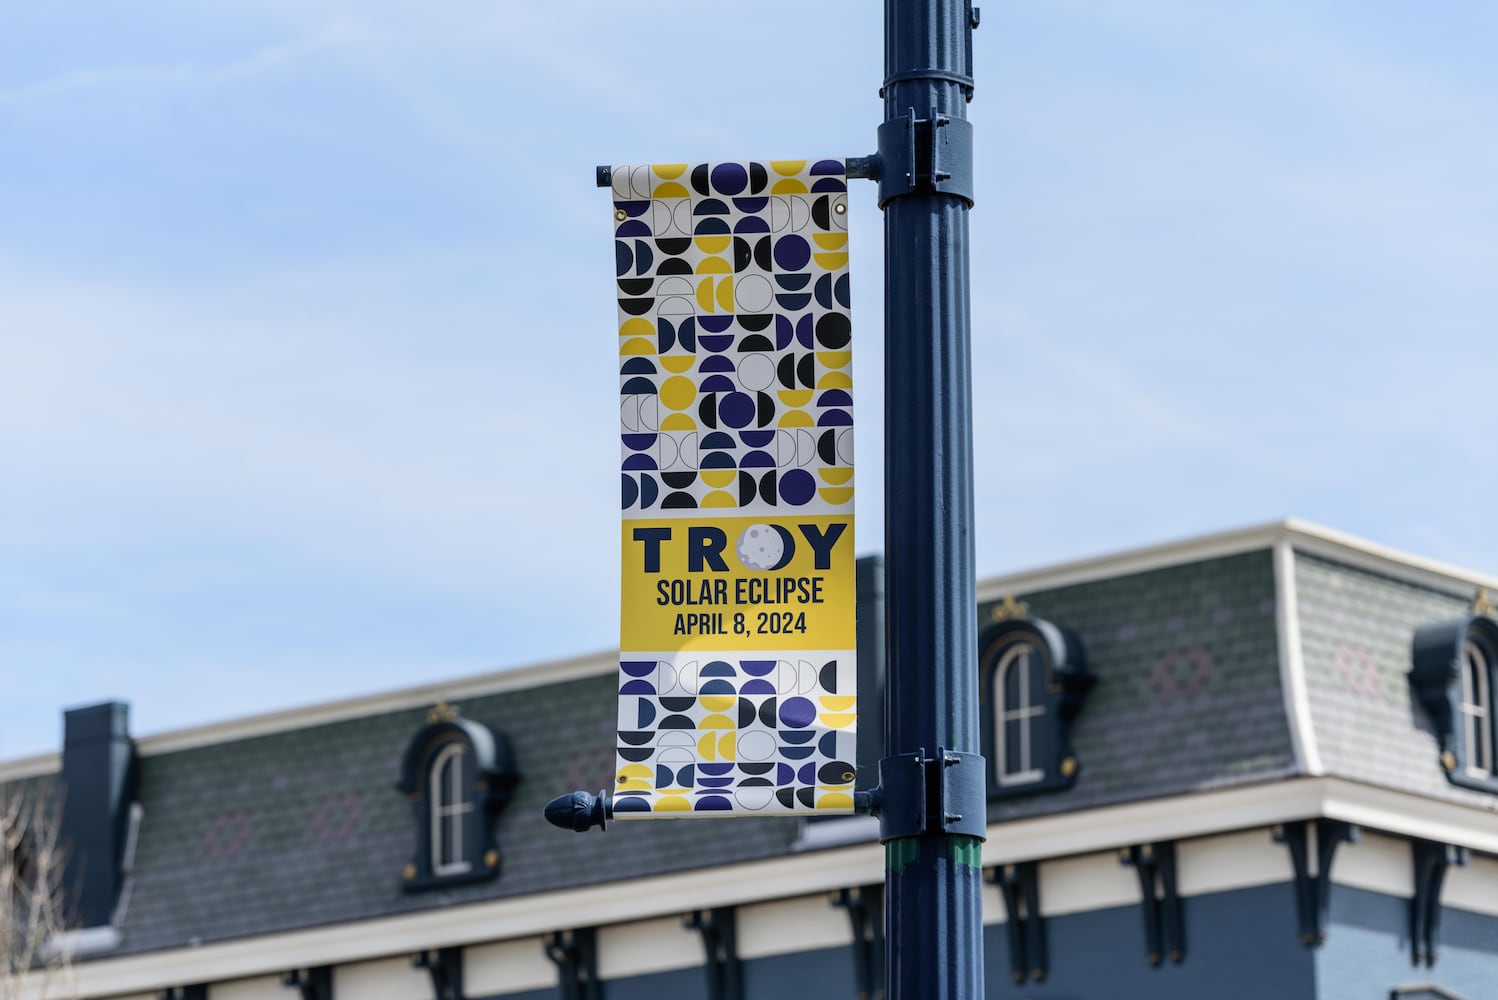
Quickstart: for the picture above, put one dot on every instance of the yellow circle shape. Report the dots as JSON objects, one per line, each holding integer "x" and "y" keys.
{"x": 678, "y": 391}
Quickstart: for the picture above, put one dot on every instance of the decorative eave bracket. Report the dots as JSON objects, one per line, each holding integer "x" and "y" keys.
{"x": 865, "y": 906}
{"x": 445, "y": 966}
{"x": 1019, "y": 885}
{"x": 1160, "y": 900}
{"x": 719, "y": 930}
{"x": 1313, "y": 892}
{"x": 1431, "y": 859}
{"x": 575, "y": 954}
{"x": 314, "y": 984}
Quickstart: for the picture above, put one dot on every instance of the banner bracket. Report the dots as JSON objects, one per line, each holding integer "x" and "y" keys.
{"x": 920, "y": 794}
{"x": 925, "y": 156}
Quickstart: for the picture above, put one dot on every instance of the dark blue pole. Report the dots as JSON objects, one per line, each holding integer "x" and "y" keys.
{"x": 932, "y": 822}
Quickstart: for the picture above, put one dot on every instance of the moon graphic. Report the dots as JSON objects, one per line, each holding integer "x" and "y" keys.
{"x": 765, "y": 547}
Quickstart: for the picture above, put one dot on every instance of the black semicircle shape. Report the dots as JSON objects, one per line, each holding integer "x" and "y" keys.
{"x": 785, "y": 370}
{"x": 806, "y": 370}
{"x": 828, "y": 676}
{"x": 821, "y": 212}
{"x": 827, "y": 447}
{"x": 699, "y": 179}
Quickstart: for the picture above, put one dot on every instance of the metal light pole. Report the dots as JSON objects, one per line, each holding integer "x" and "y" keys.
{"x": 932, "y": 821}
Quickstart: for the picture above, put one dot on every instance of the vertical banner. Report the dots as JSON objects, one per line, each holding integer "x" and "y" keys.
{"x": 737, "y": 666}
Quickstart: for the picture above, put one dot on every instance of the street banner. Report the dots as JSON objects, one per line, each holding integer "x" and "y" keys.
{"x": 737, "y": 659}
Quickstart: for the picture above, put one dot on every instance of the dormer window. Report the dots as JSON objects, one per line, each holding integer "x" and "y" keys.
{"x": 447, "y": 793}
{"x": 1454, "y": 666}
{"x": 1034, "y": 678}
{"x": 459, "y": 775}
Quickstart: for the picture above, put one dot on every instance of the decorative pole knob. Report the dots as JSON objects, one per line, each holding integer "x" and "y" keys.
{"x": 580, "y": 811}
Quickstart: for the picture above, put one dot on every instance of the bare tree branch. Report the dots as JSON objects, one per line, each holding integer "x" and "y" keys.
{"x": 31, "y": 895}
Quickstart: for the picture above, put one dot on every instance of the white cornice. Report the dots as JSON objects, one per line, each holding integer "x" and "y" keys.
{"x": 1204, "y": 814}
{"x": 1302, "y": 535}
{"x": 30, "y": 767}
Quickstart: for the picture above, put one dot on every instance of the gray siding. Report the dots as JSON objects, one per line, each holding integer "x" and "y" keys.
{"x": 1355, "y": 629}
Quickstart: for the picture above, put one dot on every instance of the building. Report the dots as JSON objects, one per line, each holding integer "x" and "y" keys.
{"x": 1255, "y": 764}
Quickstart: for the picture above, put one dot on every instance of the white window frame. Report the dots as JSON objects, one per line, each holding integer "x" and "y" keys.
{"x": 1477, "y": 710}
{"x": 448, "y": 799}
{"x": 1023, "y": 712}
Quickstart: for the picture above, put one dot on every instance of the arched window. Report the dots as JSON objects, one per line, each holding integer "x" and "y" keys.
{"x": 1477, "y": 707}
{"x": 1018, "y": 682}
{"x": 447, "y": 791}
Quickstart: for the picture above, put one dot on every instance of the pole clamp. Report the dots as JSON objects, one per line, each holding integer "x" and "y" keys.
{"x": 925, "y": 156}
{"x": 943, "y": 793}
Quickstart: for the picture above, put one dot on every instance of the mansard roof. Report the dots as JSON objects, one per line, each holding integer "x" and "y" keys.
{"x": 1231, "y": 661}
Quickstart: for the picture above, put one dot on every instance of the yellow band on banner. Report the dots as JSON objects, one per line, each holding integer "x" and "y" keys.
{"x": 737, "y": 673}
{"x": 741, "y": 583}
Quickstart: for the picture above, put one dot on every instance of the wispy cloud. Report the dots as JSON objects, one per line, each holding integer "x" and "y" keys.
{"x": 130, "y": 80}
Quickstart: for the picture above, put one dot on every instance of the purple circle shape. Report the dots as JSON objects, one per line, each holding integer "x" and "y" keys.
{"x": 730, "y": 178}
{"x": 797, "y": 487}
{"x": 736, "y": 409}
{"x": 797, "y": 713}
{"x": 792, "y": 253}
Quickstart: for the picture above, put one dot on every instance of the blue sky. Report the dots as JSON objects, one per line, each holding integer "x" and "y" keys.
{"x": 306, "y": 356}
